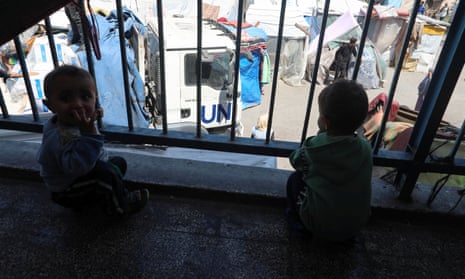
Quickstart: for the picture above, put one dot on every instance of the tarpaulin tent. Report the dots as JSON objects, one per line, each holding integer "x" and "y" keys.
{"x": 372, "y": 69}
{"x": 429, "y": 45}
{"x": 40, "y": 63}
{"x": 387, "y": 31}
{"x": 266, "y": 15}
{"x": 110, "y": 82}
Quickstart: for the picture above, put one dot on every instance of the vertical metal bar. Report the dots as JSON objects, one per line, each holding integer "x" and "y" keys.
{"x": 198, "y": 65}
{"x": 276, "y": 70}
{"x": 51, "y": 41}
{"x": 85, "y": 39}
{"x": 276, "y": 67}
{"x": 445, "y": 76}
{"x": 366, "y": 25}
{"x": 315, "y": 72}
{"x": 457, "y": 142}
{"x": 161, "y": 43}
{"x": 3, "y": 107}
{"x": 89, "y": 56}
{"x": 395, "y": 78}
{"x": 237, "y": 54}
{"x": 26, "y": 77}
{"x": 124, "y": 63}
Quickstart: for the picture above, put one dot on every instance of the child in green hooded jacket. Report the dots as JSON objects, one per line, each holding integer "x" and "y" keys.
{"x": 329, "y": 194}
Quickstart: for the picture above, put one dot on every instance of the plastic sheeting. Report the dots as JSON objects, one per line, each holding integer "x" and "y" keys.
{"x": 372, "y": 69}
{"x": 371, "y": 72}
{"x": 338, "y": 28}
{"x": 293, "y": 62}
{"x": 109, "y": 77}
{"x": 252, "y": 52}
{"x": 39, "y": 61}
{"x": 188, "y": 8}
{"x": 429, "y": 47}
{"x": 295, "y": 41}
{"x": 250, "y": 84}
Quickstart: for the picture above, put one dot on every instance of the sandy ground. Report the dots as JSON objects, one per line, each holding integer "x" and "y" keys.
{"x": 291, "y": 102}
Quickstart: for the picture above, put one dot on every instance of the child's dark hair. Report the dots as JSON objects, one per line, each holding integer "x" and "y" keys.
{"x": 345, "y": 104}
{"x": 64, "y": 70}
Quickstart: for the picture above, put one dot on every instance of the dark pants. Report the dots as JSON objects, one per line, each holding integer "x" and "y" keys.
{"x": 419, "y": 102}
{"x": 102, "y": 186}
{"x": 295, "y": 191}
{"x": 341, "y": 72}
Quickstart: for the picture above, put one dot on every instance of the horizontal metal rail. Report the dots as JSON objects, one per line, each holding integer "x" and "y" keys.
{"x": 410, "y": 162}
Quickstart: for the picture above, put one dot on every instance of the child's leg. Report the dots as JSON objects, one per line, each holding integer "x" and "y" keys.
{"x": 119, "y": 163}
{"x": 83, "y": 195}
{"x": 103, "y": 185}
{"x": 119, "y": 199}
{"x": 295, "y": 189}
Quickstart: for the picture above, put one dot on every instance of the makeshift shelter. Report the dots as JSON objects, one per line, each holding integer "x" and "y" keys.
{"x": 372, "y": 69}
{"x": 109, "y": 81}
{"x": 387, "y": 32}
{"x": 210, "y": 8}
{"x": 266, "y": 15}
{"x": 39, "y": 63}
{"x": 429, "y": 43}
{"x": 385, "y": 27}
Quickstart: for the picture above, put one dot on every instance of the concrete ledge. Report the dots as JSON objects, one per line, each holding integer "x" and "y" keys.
{"x": 170, "y": 175}
{"x": 219, "y": 180}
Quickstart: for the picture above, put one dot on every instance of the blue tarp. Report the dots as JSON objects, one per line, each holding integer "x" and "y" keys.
{"x": 249, "y": 65}
{"x": 250, "y": 84}
{"x": 393, "y": 3}
{"x": 314, "y": 27}
{"x": 109, "y": 74}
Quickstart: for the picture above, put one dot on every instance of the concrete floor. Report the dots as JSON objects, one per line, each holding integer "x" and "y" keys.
{"x": 199, "y": 226}
{"x": 182, "y": 237}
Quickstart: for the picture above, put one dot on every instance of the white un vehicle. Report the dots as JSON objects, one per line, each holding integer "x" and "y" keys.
{"x": 218, "y": 58}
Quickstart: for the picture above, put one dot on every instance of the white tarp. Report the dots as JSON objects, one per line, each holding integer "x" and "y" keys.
{"x": 342, "y": 25}
{"x": 108, "y": 72}
{"x": 295, "y": 41}
{"x": 372, "y": 67}
{"x": 429, "y": 47}
{"x": 188, "y": 8}
{"x": 267, "y": 17}
{"x": 355, "y": 7}
{"x": 39, "y": 62}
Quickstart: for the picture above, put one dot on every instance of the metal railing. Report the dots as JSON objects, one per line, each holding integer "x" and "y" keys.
{"x": 408, "y": 163}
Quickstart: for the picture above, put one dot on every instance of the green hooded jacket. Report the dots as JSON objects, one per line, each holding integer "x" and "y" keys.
{"x": 337, "y": 171}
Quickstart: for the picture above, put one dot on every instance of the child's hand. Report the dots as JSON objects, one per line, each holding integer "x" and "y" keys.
{"x": 85, "y": 122}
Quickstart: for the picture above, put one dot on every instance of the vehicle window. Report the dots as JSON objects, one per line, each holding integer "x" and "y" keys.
{"x": 215, "y": 70}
